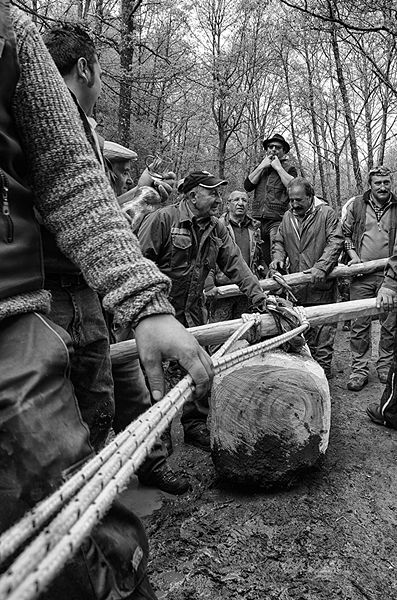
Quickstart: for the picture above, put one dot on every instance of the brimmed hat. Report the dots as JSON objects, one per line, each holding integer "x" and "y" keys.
{"x": 277, "y": 138}
{"x": 113, "y": 151}
{"x": 201, "y": 178}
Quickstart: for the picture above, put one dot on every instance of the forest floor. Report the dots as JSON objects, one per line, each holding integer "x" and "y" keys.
{"x": 333, "y": 536}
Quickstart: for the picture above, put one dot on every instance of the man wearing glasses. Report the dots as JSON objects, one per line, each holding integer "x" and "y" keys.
{"x": 245, "y": 232}
{"x": 270, "y": 180}
{"x": 370, "y": 232}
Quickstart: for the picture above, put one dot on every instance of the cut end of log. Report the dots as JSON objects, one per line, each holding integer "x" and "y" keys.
{"x": 269, "y": 420}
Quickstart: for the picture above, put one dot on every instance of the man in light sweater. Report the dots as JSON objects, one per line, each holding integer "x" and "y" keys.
{"x": 369, "y": 228}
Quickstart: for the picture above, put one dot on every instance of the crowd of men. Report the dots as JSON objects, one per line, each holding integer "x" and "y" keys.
{"x": 73, "y": 278}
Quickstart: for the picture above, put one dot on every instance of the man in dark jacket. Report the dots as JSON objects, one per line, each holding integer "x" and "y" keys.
{"x": 310, "y": 237}
{"x": 245, "y": 231}
{"x": 186, "y": 241}
{"x": 369, "y": 228}
{"x": 270, "y": 180}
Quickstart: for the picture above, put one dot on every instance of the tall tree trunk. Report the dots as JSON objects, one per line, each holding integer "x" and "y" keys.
{"x": 338, "y": 199}
{"x": 383, "y": 129}
{"x": 346, "y": 105}
{"x": 291, "y": 112}
{"x": 316, "y": 134}
{"x": 128, "y": 11}
{"x": 34, "y": 11}
{"x": 98, "y": 17}
{"x": 368, "y": 117}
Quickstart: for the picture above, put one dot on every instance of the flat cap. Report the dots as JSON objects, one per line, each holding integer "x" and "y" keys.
{"x": 113, "y": 151}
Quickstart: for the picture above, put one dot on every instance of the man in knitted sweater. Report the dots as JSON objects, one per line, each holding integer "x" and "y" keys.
{"x": 46, "y": 162}
{"x": 75, "y": 305}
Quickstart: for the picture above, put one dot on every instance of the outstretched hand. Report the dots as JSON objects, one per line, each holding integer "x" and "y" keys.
{"x": 162, "y": 337}
{"x": 386, "y": 299}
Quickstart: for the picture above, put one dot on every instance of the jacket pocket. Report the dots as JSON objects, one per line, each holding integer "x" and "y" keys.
{"x": 181, "y": 250}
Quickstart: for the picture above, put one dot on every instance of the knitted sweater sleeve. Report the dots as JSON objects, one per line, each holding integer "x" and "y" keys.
{"x": 73, "y": 195}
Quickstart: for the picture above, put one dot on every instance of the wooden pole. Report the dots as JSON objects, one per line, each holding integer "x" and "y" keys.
{"x": 217, "y": 333}
{"x": 294, "y": 279}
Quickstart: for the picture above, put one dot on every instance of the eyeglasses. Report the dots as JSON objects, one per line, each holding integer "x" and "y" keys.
{"x": 379, "y": 171}
{"x": 275, "y": 147}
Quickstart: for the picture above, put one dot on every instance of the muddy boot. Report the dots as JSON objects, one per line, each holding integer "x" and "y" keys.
{"x": 167, "y": 440}
{"x": 346, "y": 326}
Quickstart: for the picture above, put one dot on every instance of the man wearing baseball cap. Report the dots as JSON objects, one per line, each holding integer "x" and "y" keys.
{"x": 186, "y": 241}
{"x": 269, "y": 182}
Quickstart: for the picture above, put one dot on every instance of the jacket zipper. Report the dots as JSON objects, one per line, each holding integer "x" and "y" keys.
{"x": 5, "y": 207}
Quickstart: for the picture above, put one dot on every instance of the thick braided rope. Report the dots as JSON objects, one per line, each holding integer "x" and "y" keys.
{"x": 252, "y": 319}
{"x": 28, "y": 576}
{"x": 37, "y": 578}
{"x": 16, "y": 535}
{"x": 34, "y": 520}
{"x": 134, "y": 450}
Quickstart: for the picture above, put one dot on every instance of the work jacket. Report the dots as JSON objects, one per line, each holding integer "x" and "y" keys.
{"x": 256, "y": 263}
{"x": 353, "y": 226}
{"x": 317, "y": 243}
{"x": 172, "y": 238}
{"x": 21, "y": 265}
{"x": 270, "y": 196}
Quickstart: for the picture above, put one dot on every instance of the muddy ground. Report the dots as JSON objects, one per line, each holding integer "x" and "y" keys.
{"x": 333, "y": 536}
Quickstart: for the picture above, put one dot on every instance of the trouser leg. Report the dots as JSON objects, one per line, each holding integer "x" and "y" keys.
{"x": 78, "y": 310}
{"x": 320, "y": 340}
{"x": 192, "y": 416}
{"x": 268, "y": 233}
{"x": 42, "y": 440}
{"x": 388, "y": 401}
{"x": 41, "y": 430}
{"x": 132, "y": 399}
{"x": 360, "y": 332}
{"x": 386, "y": 341}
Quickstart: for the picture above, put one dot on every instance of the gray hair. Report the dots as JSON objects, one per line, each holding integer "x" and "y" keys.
{"x": 303, "y": 183}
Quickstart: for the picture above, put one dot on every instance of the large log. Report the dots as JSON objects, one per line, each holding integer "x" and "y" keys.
{"x": 269, "y": 419}
{"x": 217, "y": 333}
{"x": 296, "y": 279}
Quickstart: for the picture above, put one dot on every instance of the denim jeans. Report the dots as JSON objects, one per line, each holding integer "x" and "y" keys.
{"x": 132, "y": 399}
{"x": 77, "y": 308}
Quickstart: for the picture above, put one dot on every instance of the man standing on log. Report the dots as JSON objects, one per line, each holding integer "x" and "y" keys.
{"x": 245, "y": 232}
{"x": 270, "y": 180}
{"x": 310, "y": 237}
{"x": 186, "y": 241}
{"x": 370, "y": 233}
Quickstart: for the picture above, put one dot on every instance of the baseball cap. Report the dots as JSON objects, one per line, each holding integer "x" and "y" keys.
{"x": 113, "y": 151}
{"x": 203, "y": 179}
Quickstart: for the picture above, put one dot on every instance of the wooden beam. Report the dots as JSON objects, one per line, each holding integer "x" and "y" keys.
{"x": 217, "y": 333}
{"x": 294, "y": 279}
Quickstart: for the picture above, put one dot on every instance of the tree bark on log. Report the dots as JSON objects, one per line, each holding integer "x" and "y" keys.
{"x": 269, "y": 419}
{"x": 295, "y": 279}
{"x": 217, "y": 333}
